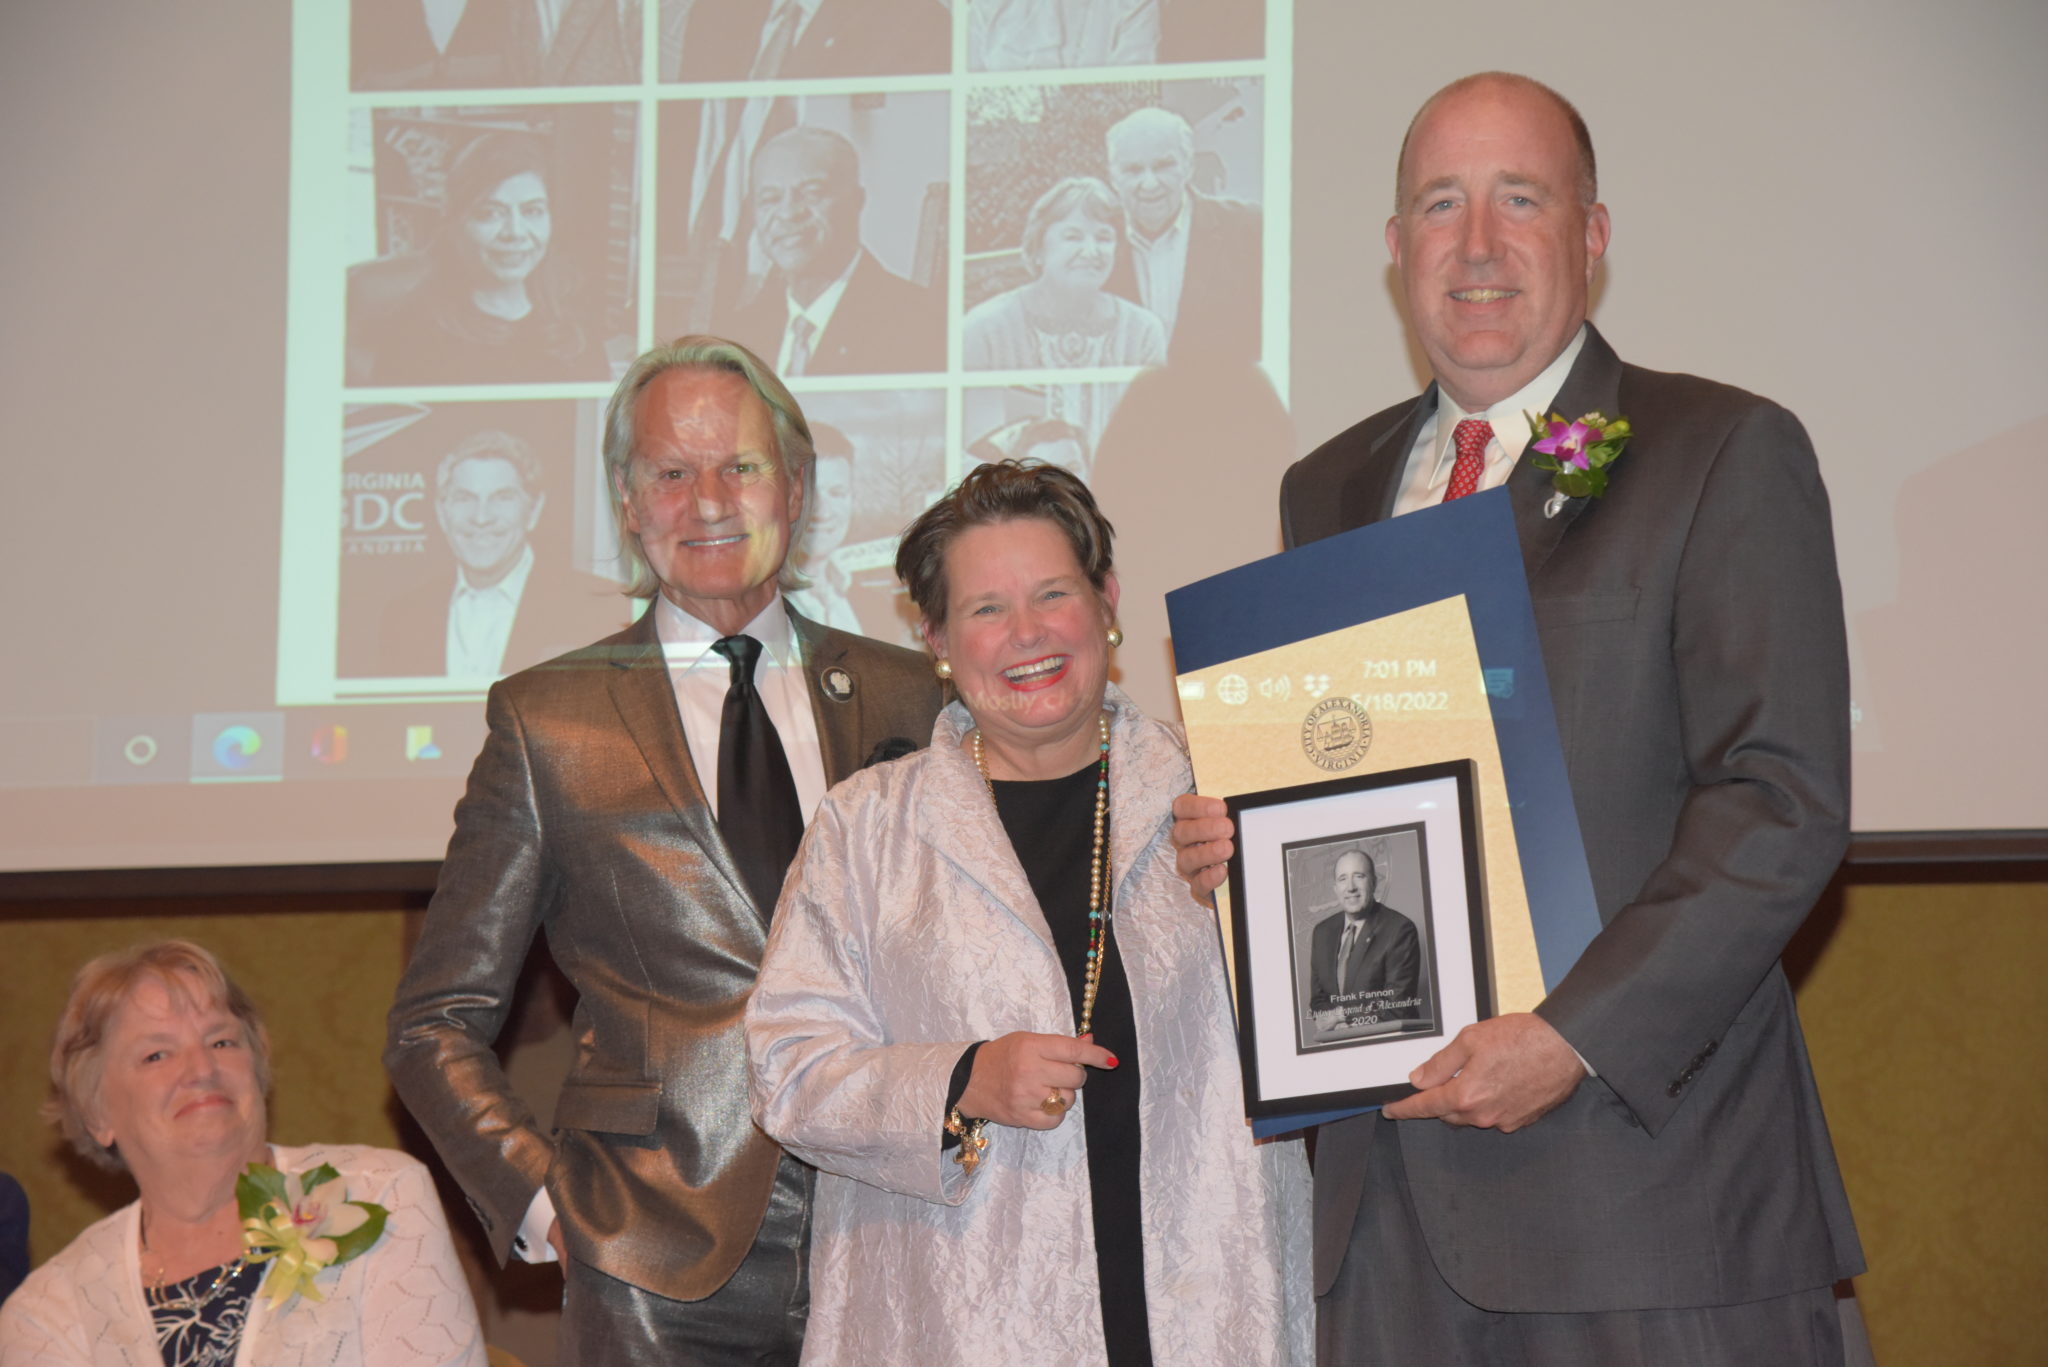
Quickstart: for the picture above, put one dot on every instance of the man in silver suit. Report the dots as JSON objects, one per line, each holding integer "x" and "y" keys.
{"x": 639, "y": 800}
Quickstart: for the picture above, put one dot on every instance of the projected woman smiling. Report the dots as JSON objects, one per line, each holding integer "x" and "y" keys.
{"x": 508, "y": 229}
{"x": 485, "y": 303}
{"x": 1063, "y": 317}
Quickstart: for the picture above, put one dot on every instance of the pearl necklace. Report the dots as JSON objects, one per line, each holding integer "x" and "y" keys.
{"x": 1098, "y": 872}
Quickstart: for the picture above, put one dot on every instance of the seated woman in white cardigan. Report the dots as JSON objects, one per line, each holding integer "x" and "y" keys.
{"x": 160, "y": 1066}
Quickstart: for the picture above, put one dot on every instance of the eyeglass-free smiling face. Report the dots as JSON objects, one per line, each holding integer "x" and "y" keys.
{"x": 509, "y": 229}
{"x": 1493, "y": 241}
{"x": 707, "y": 494}
{"x": 178, "y": 1079}
{"x": 1026, "y": 634}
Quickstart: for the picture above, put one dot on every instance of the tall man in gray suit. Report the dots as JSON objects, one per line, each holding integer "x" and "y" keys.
{"x": 1638, "y": 1171}
{"x": 639, "y": 800}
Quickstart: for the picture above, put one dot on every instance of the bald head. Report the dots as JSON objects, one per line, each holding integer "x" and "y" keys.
{"x": 807, "y": 205}
{"x": 1582, "y": 140}
{"x": 1356, "y": 879}
{"x": 1151, "y": 154}
{"x": 1495, "y": 234}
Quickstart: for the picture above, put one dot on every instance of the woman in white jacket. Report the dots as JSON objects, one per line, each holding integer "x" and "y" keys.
{"x": 1016, "y": 1073}
{"x": 160, "y": 1066}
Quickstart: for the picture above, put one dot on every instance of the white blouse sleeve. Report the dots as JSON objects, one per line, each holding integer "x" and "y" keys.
{"x": 826, "y": 1081}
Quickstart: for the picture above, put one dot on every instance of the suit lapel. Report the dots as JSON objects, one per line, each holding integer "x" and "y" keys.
{"x": 1370, "y": 490}
{"x": 646, "y": 701}
{"x": 841, "y": 731}
{"x": 852, "y": 305}
{"x": 1594, "y": 383}
{"x": 569, "y": 39}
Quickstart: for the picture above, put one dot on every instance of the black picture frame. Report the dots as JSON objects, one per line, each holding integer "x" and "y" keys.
{"x": 1418, "y": 967}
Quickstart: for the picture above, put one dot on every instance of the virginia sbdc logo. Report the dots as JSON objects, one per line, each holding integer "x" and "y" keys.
{"x": 237, "y": 745}
{"x": 384, "y": 512}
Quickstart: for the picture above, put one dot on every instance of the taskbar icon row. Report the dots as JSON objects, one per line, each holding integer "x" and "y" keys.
{"x": 272, "y": 747}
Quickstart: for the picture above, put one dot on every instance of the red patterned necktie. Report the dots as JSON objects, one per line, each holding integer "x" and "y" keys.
{"x": 1470, "y": 437}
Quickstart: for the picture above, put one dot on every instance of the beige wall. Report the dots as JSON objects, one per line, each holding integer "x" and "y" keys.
{"x": 1920, "y": 1001}
{"x": 1922, "y": 1012}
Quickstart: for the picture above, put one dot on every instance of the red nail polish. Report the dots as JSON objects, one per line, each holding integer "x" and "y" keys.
{"x": 1112, "y": 1060}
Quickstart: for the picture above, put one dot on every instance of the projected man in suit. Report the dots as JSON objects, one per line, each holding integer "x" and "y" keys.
{"x": 829, "y": 307}
{"x": 738, "y": 40}
{"x": 1194, "y": 259}
{"x": 502, "y": 610}
{"x": 1366, "y": 959}
{"x": 1638, "y": 1171}
{"x": 640, "y": 800}
{"x": 434, "y": 44}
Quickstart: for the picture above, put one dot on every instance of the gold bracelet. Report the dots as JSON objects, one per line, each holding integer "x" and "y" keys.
{"x": 973, "y": 1136}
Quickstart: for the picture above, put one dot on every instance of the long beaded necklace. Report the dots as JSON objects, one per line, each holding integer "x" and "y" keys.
{"x": 1098, "y": 872}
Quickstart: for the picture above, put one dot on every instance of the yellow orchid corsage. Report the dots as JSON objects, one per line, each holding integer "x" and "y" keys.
{"x": 301, "y": 1224}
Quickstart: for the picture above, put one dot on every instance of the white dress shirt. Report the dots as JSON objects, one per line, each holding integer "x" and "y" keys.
{"x": 818, "y": 313}
{"x": 1161, "y": 264}
{"x": 1430, "y": 460}
{"x": 480, "y": 620}
{"x": 701, "y": 677}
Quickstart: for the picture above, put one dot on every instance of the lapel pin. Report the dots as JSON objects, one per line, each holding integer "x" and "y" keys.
{"x": 838, "y": 684}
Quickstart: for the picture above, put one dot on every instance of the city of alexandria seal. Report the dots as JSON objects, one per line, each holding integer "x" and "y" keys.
{"x": 1336, "y": 734}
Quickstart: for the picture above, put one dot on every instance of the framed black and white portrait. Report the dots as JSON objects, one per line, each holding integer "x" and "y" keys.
{"x": 1361, "y": 939}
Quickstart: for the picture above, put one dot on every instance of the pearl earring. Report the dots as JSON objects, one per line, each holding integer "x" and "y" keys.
{"x": 1116, "y": 637}
{"x": 943, "y": 668}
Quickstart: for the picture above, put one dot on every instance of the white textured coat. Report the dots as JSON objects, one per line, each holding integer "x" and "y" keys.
{"x": 907, "y": 931}
{"x": 404, "y": 1303}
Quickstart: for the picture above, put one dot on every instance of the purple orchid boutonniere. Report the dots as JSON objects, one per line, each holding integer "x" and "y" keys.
{"x": 1577, "y": 454}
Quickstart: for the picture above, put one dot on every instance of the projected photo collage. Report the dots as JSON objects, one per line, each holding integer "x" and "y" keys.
{"x": 953, "y": 246}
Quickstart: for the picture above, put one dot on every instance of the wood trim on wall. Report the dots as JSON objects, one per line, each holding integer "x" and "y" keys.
{"x": 2016, "y": 856}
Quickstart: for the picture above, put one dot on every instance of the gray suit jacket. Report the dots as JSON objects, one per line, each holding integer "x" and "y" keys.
{"x": 585, "y": 817}
{"x": 1692, "y": 629}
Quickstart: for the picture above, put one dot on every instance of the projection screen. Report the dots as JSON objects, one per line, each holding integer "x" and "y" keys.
{"x": 313, "y": 311}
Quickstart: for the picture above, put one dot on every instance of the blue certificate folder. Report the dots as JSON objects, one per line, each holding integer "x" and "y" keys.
{"x": 1467, "y": 547}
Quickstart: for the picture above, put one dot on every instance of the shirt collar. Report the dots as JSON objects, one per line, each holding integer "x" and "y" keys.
{"x": 512, "y": 586}
{"x": 1510, "y": 425}
{"x": 819, "y": 310}
{"x": 807, "y": 9}
{"x": 1140, "y": 243}
{"x": 686, "y": 641}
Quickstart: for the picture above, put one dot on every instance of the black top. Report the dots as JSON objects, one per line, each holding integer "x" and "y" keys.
{"x": 199, "y": 1320}
{"x": 1051, "y": 825}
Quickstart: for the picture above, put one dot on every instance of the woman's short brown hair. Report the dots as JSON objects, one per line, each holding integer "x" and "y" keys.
{"x": 1002, "y": 491}
{"x": 77, "y": 1054}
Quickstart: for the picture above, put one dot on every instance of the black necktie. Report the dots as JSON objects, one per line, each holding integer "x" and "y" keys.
{"x": 758, "y": 812}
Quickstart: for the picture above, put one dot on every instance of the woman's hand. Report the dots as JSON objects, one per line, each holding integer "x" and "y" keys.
{"x": 1202, "y": 836}
{"x": 1014, "y": 1075}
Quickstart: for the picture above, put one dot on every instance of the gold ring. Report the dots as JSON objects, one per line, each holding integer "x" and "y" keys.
{"x": 1054, "y": 1103}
